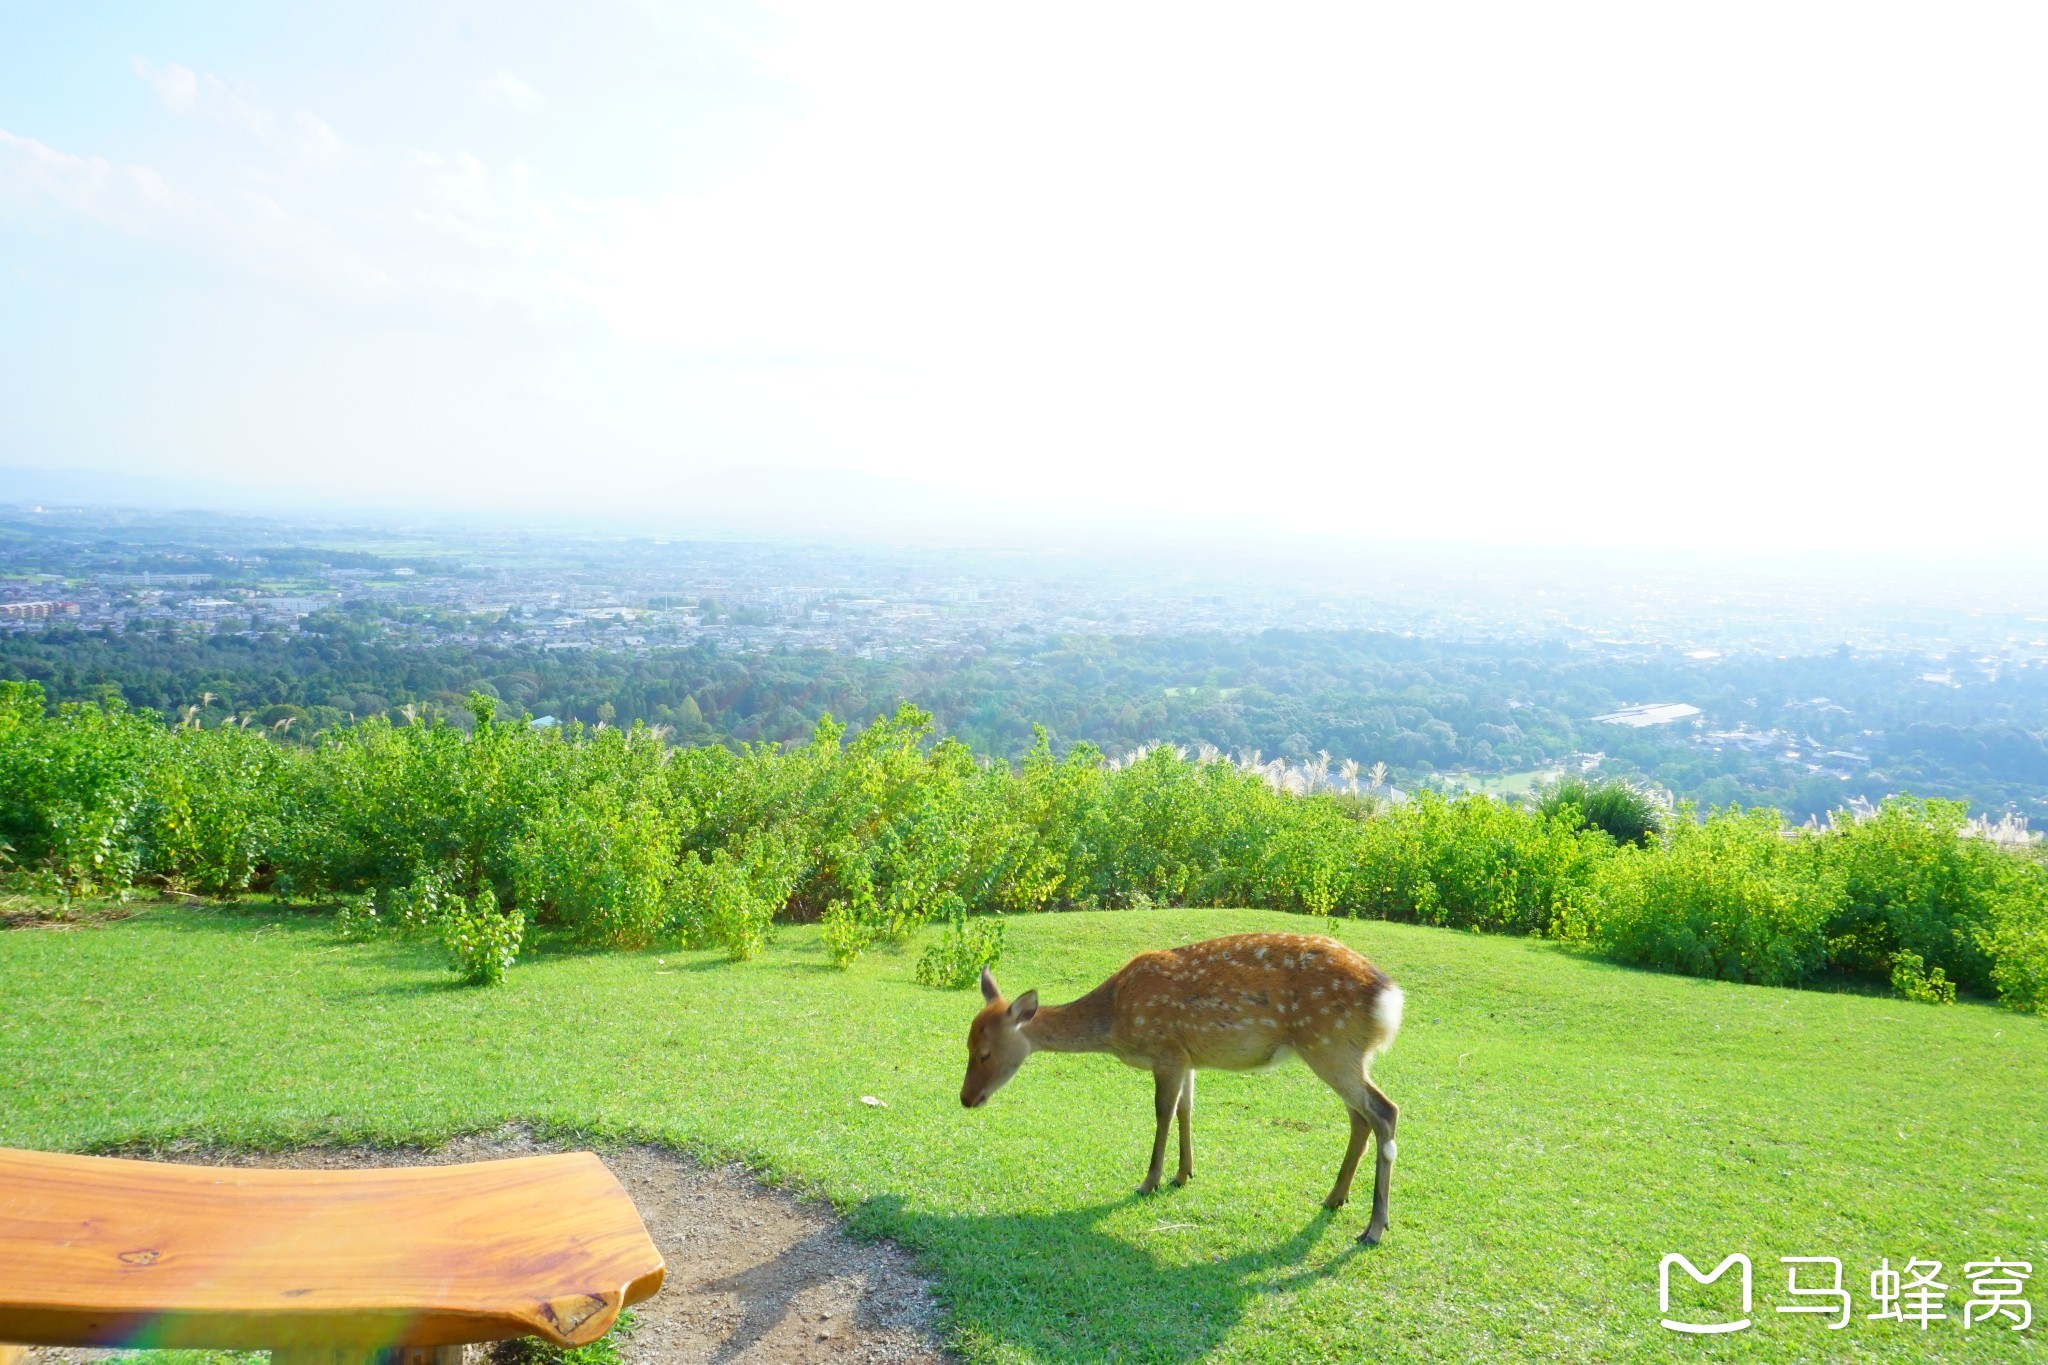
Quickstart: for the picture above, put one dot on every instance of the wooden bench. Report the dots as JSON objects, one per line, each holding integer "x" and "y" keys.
{"x": 326, "y": 1267}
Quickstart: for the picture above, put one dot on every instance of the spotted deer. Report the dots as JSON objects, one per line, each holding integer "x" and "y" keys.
{"x": 1242, "y": 1003}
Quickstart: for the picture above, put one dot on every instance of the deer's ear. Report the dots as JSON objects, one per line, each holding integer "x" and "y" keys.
{"x": 989, "y": 990}
{"x": 1024, "y": 1006}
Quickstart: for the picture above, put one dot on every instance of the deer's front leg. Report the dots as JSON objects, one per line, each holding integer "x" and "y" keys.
{"x": 1340, "y": 1193}
{"x": 1166, "y": 1088}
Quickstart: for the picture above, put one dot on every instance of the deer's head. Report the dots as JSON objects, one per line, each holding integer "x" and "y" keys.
{"x": 996, "y": 1045}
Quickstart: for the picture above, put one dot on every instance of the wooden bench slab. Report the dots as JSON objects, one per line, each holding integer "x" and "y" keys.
{"x": 96, "y": 1251}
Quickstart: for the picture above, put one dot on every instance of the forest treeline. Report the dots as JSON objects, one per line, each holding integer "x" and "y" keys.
{"x": 1420, "y": 706}
{"x": 614, "y": 837}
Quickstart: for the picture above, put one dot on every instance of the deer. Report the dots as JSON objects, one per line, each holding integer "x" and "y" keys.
{"x": 1246, "y": 1002}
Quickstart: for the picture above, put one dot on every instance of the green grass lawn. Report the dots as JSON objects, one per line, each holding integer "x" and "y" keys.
{"x": 1565, "y": 1123}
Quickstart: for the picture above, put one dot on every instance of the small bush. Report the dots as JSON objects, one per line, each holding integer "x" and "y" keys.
{"x": 215, "y": 800}
{"x": 954, "y": 963}
{"x": 603, "y": 863}
{"x": 846, "y": 936}
{"x": 1911, "y": 979}
{"x": 731, "y": 903}
{"x": 1619, "y": 809}
{"x": 483, "y": 939}
{"x": 2014, "y": 934}
{"x": 357, "y": 919}
{"x": 422, "y": 904}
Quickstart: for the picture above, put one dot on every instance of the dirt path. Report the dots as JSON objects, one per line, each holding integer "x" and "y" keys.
{"x": 753, "y": 1275}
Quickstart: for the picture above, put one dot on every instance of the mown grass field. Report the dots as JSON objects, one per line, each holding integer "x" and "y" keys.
{"x": 1504, "y": 784}
{"x": 1565, "y": 1123}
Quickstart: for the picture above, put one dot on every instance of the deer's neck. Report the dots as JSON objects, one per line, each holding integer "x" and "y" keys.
{"x": 1082, "y": 1026}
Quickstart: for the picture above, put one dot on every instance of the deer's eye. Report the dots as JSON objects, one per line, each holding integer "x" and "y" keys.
{"x": 986, "y": 1055}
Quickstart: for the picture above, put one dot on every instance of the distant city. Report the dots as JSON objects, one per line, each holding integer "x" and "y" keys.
{"x": 94, "y": 570}
{"x": 1680, "y": 633}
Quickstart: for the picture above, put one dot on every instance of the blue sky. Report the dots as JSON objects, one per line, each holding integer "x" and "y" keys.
{"x": 1579, "y": 273}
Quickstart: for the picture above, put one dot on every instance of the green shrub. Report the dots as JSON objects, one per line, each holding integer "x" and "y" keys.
{"x": 216, "y": 800}
{"x": 357, "y": 920}
{"x": 955, "y": 961}
{"x": 1617, "y": 808}
{"x": 2013, "y": 934}
{"x": 1912, "y": 979}
{"x": 1914, "y": 884}
{"x": 1473, "y": 863}
{"x": 1732, "y": 897}
{"x": 73, "y": 788}
{"x": 602, "y": 858}
{"x": 422, "y": 904}
{"x": 483, "y": 939}
{"x": 383, "y": 804}
{"x": 731, "y": 902}
{"x": 620, "y": 841}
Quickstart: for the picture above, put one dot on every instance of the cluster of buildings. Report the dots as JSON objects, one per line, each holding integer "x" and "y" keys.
{"x": 37, "y": 610}
{"x": 105, "y": 570}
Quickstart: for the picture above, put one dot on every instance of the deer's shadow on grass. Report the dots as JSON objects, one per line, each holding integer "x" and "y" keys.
{"x": 1059, "y": 1287}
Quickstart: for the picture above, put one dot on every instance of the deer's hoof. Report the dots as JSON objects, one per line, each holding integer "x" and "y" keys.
{"x": 1149, "y": 1187}
{"x": 1371, "y": 1236}
{"x": 1333, "y": 1202}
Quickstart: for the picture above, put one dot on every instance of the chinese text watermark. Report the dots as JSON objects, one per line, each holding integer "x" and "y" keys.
{"x": 1914, "y": 1295}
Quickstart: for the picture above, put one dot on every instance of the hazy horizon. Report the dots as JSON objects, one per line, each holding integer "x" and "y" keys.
{"x": 1988, "y": 579}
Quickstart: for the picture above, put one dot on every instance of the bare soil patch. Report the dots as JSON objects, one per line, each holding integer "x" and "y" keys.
{"x": 754, "y": 1275}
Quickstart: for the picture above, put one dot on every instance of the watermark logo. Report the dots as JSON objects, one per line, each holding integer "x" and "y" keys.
{"x": 1914, "y": 1295}
{"x": 1697, "y": 1328}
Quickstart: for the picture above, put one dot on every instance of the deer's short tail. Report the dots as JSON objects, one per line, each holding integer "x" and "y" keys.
{"x": 1386, "y": 1013}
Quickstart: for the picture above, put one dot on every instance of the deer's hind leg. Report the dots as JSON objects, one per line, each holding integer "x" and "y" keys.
{"x": 1382, "y": 1113}
{"x": 1371, "y": 1113}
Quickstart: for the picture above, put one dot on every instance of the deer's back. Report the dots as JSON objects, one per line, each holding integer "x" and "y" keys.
{"x": 1245, "y": 1001}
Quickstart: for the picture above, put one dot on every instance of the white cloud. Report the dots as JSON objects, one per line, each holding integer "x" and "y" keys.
{"x": 314, "y": 140}
{"x": 176, "y": 85}
{"x": 248, "y": 230}
{"x": 235, "y": 107}
{"x": 35, "y": 178}
{"x": 507, "y": 91}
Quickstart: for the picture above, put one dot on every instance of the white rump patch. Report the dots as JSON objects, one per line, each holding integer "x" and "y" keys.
{"x": 1386, "y": 1012}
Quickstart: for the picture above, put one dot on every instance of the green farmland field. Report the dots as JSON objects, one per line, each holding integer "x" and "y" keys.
{"x": 1565, "y": 1123}
{"x": 1504, "y": 784}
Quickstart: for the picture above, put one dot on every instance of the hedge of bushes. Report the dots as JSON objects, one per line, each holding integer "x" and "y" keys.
{"x": 618, "y": 839}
